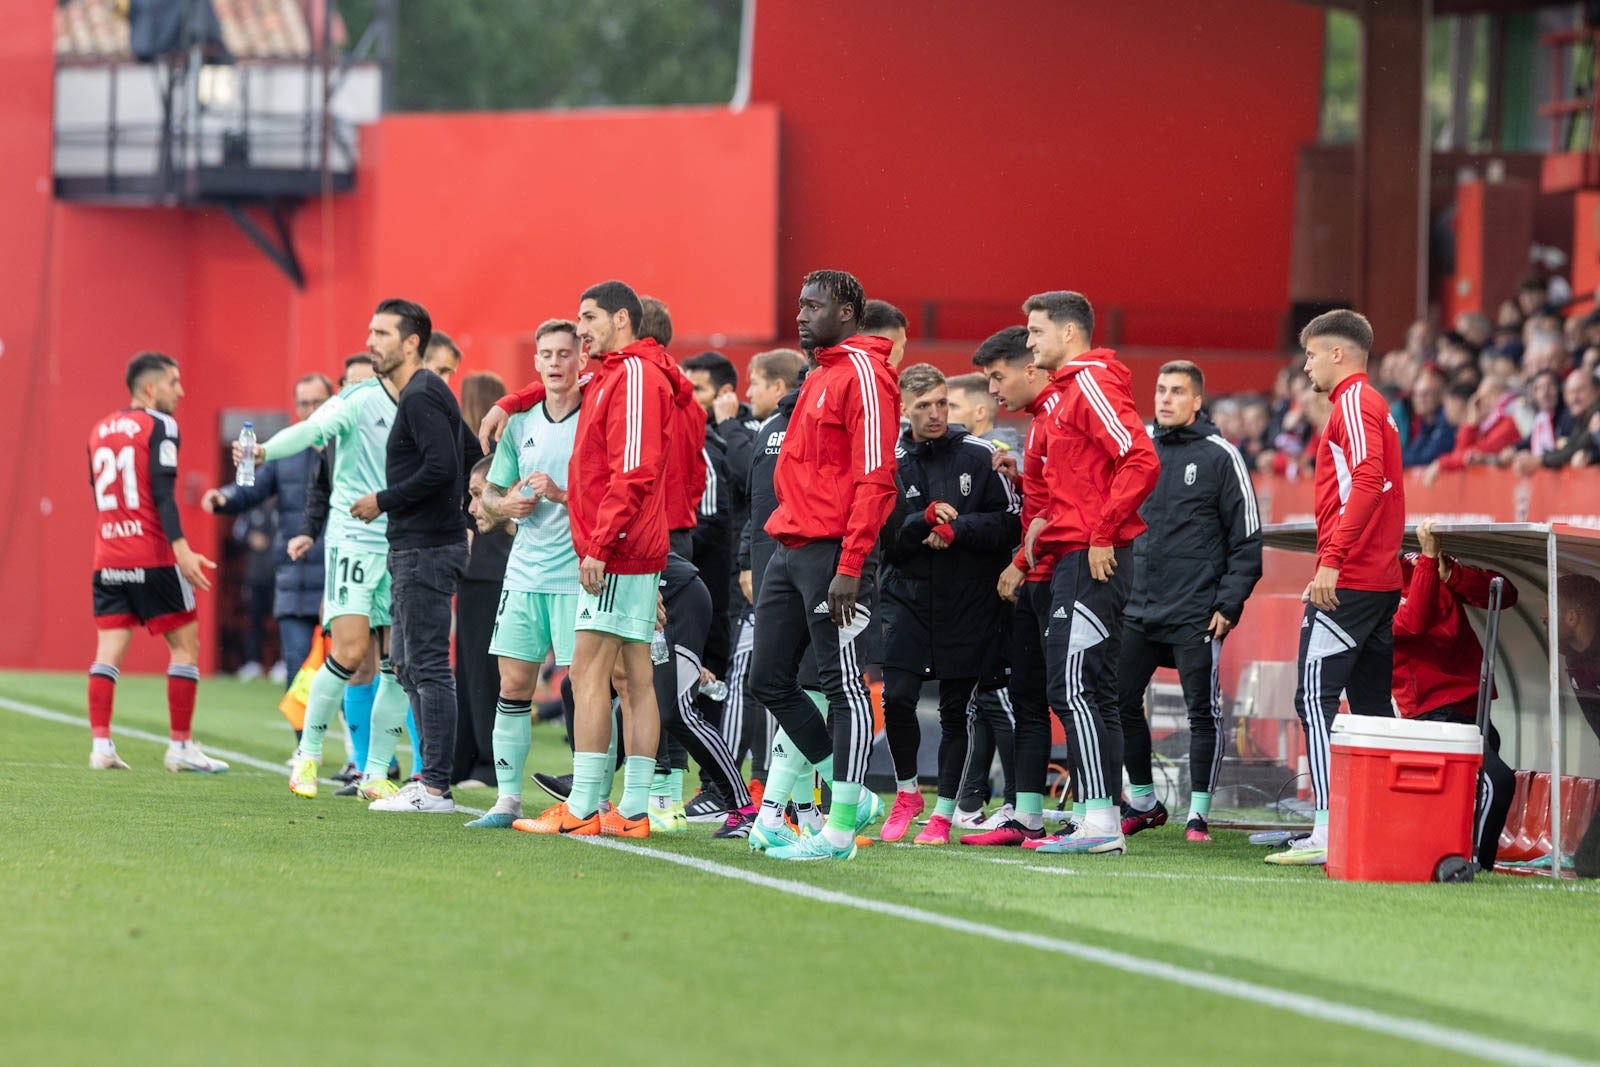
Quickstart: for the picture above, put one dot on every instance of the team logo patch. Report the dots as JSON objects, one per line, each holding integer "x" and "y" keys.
{"x": 1188, "y": 474}
{"x": 167, "y": 454}
{"x": 966, "y": 485}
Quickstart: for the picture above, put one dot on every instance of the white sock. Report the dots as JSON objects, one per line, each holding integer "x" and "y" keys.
{"x": 103, "y": 746}
{"x": 1102, "y": 821}
{"x": 836, "y": 837}
{"x": 510, "y": 804}
{"x": 810, "y": 818}
{"x": 1033, "y": 820}
{"x": 906, "y": 785}
{"x": 1144, "y": 803}
{"x": 770, "y": 816}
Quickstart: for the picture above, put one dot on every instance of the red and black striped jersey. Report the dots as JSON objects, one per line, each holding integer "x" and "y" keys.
{"x": 133, "y": 469}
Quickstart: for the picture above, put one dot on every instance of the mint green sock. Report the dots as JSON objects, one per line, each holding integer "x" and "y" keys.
{"x": 1142, "y": 797}
{"x": 1199, "y": 806}
{"x": 1319, "y": 828}
{"x": 784, "y": 770}
{"x": 388, "y": 724}
{"x": 589, "y": 770}
{"x": 660, "y": 786}
{"x": 842, "y": 815}
{"x": 636, "y": 774}
{"x": 322, "y": 704}
{"x": 513, "y": 736}
{"x": 1321, "y": 819}
{"x": 1030, "y": 810}
{"x": 825, "y": 768}
{"x": 819, "y": 699}
{"x": 675, "y": 786}
{"x": 805, "y": 787}
{"x": 610, "y": 776}
{"x": 944, "y": 808}
{"x": 1079, "y": 811}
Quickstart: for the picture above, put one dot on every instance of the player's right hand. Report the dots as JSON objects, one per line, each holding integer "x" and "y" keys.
{"x": 1035, "y": 528}
{"x": 212, "y": 500}
{"x": 747, "y": 586}
{"x": 514, "y": 503}
{"x": 299, "y": 547}
{"x": 1010, "y": 582}
{"x": 238, "y": 454}
{"x": 492, "y": 426}
{"x": 1006, "y": 464}
{"x": 193, "y": 566}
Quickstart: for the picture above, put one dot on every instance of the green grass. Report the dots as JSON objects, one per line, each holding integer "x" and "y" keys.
{"x": 162, "y": 918}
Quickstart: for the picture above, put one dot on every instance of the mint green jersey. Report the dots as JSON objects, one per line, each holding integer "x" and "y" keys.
{"x": 357, "y": 421}
{"x": 542, "y": 557}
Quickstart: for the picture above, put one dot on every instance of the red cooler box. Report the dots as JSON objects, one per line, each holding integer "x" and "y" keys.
{"x": 1402, "y": 797}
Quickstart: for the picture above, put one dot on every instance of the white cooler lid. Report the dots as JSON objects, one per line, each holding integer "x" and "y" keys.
{"x": 1409, "y": 735}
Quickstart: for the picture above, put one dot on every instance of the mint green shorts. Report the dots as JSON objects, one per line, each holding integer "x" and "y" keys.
{"x": 356, "y": 582}
{"x": 529, "y": 625}
{"x": 625, "y": 607}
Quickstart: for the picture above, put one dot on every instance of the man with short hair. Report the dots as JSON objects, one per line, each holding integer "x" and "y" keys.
{"x": 145, "y": 573}
{"x": 1194, "y": 567}
{"x": 526, "y": 484}
{"x": 1347, "y": 635}
{"x": 972, "y": 407}
{"x": 951, "y": 534}
{"x": 1102, "y": 466}
{"x": 427, "y": 542}
{"x": 443, "y": 356}
{"x": 616, "y": 501}
{"x": 1020, "y": 386}
{"x": 882, "y": 319}
{"x": 835, "y": 487}
{"x": 297, "y": 593}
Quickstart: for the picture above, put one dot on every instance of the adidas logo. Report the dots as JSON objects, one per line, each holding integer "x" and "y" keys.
{"x": 1061, "y": 613}
{"x": 1304, "y": 623}
{"x": 383, "y": 422}
{"x": 779, "y": 750}
{"x": 820, "y": 609}
{"x": 502, "y": 763}
{"x": 913, "y": 491}
{"x": 584, "y": 615}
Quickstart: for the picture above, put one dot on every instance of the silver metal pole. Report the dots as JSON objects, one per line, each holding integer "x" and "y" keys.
{"x": 1553, "y": 605}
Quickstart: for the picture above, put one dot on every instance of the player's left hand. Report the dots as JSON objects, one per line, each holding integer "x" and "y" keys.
{"x": 1006, "y": 465}
{"x": 1321, "y": 591}
{"x": 544, "y": 485}
{"x": 592, "y": 575}
{"x": 366, "y": 509}
{"x": 212, "y": 500}
{"x": 945, "y": 512}
{"x": 725, "y": 407}
{"x": 1219, "y": 626}
{"x": 193, "y": 566}
{"x": 933, "y": 540}
{"x": 842, "y": 593}
{"x": 1102, "y": 562}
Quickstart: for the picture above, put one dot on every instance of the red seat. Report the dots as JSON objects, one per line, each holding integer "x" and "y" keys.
{"x": 1578, "y": 798}
{"x": 1519, "y": 803}
{"x": 1533, "y": 825}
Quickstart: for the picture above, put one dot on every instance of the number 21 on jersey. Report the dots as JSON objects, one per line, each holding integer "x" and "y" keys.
{"x": 107, "y": 464}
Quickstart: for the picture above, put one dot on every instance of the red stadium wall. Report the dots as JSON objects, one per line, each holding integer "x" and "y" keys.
{"x": 965, "y": 155}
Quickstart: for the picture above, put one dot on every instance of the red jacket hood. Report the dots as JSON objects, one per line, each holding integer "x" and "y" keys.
{"x": 1094, "y": 359}
{"x": 649, "y": 349}
{"x": 875, "y": 346}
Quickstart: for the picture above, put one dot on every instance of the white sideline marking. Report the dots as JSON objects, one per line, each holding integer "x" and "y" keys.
{"x": 1466, "y": 1042}
{"x": 232, "y": 757}
{"x": 1480, "y": 1046}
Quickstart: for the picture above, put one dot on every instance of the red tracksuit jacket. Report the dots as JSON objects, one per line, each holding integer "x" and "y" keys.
{"x": 686, "y": 466}
{"x": 1436, "y": 654}
{"x": 1360, "y": 500}
{"x": 616, "y": 493}
{"x": 835, "y": 473}
{"x": 1101, "y": 464}
{"x": 1035, "y": 494}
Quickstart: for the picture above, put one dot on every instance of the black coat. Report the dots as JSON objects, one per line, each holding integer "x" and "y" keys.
{"x": 1202, "y": 552}
{"x": 297, "y": 586}
{"x": 755, "y": 546}
{"x": 942, "y": 615}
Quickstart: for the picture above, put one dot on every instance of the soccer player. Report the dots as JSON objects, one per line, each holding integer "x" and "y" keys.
{"x": 427, "y": 542}
{"x": 355, "y": 425}
{"x": 443, "y": 356}
{"x": 1193, "y": 570}
{"x": 953, "y": 530}
{"x": 1347, "y": 635}
{"x": 616, "y": 501}
{"x": 527, "y": 484}
{"x": 145, "y": 573}
{"x": 1102, "y": 466}
{"x": 835, "y": 488}
{"x": 1022, "y": 387}
{"x": 972, "y": 407}
{"x": 882, "y": 319}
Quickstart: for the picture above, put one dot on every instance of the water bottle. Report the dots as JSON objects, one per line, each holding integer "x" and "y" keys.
{"x": 660, "y": 651}
{"x": 246, "y": 474}
{"x": 716, "y": 689}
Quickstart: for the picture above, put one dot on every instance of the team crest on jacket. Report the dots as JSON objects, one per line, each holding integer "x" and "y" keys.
{"x": 966, "y": 485}
{"x": 1188, "y": 474}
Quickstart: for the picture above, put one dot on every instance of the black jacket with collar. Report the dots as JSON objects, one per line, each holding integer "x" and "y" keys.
{"x": 1202, "y": 551}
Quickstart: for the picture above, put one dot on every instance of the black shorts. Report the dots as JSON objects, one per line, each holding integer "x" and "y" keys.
{"x": 157, "y": 598}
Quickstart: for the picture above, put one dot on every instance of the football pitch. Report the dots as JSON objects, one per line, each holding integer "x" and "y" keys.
{"x": 154, "y": 917}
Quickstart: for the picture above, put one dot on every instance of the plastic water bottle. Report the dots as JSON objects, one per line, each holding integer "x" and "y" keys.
{"x": 716, "y": 689}
{"x": 660, "y": 651}
{"x": 246, "y": 474}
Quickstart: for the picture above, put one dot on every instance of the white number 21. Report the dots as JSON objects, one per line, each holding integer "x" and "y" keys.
{"x": 106, "y": 465}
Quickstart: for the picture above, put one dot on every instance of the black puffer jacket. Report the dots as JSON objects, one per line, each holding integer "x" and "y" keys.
{"x": 942, "y": 615}
{"x": 1202, "y": 552}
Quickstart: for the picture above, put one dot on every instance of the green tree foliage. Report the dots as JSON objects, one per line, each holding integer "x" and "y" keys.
{"x": 506, "y": 54}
